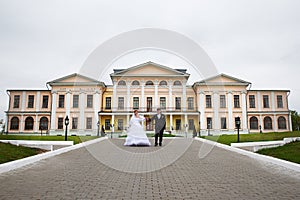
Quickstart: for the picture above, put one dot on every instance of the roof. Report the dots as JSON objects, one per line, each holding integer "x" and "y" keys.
{"x": 181, "y": 72}
{"x": 90, "y": 81}
{"x": 208, "y": 81}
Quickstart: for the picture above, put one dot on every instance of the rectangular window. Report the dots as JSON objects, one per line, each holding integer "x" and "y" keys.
{"x": 208, "y": 101}
{"x": 135, "y": 103}
{"x": 121, "y": 103}
{"x": 149, "y": 104}
{"x": 209, "y": 122}
{"x": 89, "y": 123}
{"x": 163, "y": 102}
{"x": 236, "y": 101}
{"x": 16, "y": 101}
{"x": 108, "y": 103}
{"x": 30, "y": 101}
{"x": 60, "y": 124}
{"x": 45, "y": 101}
{"x": 190, "y": 103}
{"x": 75, "y": 101}
{"x": 61, "y": 101}
{"x": 222, "y": 101}
{"x": 279, "y": 101}
{"x": 74, "y": 123}
{"x": 107, "y": 124}
{"x": 223, "y": 123}
{"x": 177, "y": 103}
{"x": 120, "y": 124}
{"x": 252, "y": 101}
{"x": 89, "y": 101}
{"x": 266, "y": 101}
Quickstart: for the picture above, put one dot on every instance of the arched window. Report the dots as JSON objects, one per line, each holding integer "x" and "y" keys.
{"x": 268, "y": 123}
{"x": 14, "y": 123}
{"x": 135, "y": 83}
{"x": 281, "y": 123}
{"x": 29, "y": 123}
{"x": 253, "y": 123}
{"x": 121, "y": 82}
{"x": 149, "y": 83}
{"x": 163, "y": 83}
{"x": 177, "y": 83}
{"x": 44, "y": 123}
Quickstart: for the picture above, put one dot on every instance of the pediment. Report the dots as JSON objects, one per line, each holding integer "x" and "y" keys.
{"x": 223, "y": 79}
{"x": 75, "y": 78}
{"x": 150, "y": 69}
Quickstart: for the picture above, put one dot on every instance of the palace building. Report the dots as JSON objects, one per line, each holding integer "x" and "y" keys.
{"x": 207, "y": 106}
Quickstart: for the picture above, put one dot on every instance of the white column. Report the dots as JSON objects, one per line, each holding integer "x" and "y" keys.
{"x": 128, "y": 96}
{"x": 273, "y": 101}
{"x": 170, "y": 96}
{"x": 259, "y": 101}
{"x": 275, "y": 128}
{"x": 36, "y": 124}
{"x": 38, "y": 100}
{"x": 216, "y": 111}
{"x": 114, "y": 96}
{"x": 201, "y": 105}
{"x": 290, "y": 122}
{"x": 142, "y": 96}
{"x": 68, "y": 103}
{"x": 156, "y": 94}
{"x": 261, "y": 121}
{"x": 184, "y": 100}
{"x": 171, "y": 122}
{"x": 186, "y": 128}
{"x": 113, "y": 123}
{"x": 96, "y": 104}
{"x": 6, "y": 123}
{"x": 244, "y": 111}
{"x": 53, "y": 110}
{"x": 127, "y": 118}
{"x": 81, "y": 110}
{"x": 37, "y": 108}
{"x": 23, "y": 101}
{"x": 22, "y": 123}
{"x": 230, "y": 113}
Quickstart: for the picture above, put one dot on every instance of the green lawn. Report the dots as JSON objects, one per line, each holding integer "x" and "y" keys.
{"x": 76, "y": 139}
{"x": 9, "y": 152}
{"x": 290, "y": 152}
{"x": 227, "y": 139}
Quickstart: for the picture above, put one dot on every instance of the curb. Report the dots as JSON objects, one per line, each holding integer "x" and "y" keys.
{"x": 264, "y": 158}
{"x": 5, "y": 167}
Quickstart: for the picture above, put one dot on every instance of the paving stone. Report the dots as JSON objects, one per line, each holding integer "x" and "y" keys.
{"x": 220, "y": 175}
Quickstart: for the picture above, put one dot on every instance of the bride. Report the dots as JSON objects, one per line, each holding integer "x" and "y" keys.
{"x": 135, "y": 133}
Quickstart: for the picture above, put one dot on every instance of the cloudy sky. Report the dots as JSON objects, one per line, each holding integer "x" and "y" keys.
{"x": 255, "y": 40}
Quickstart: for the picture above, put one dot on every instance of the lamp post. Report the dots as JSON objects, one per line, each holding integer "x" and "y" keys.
{"x": 238, "y": 126}
{"x": 186, "y": 130}
{"x": 260, "y": 130}
{"x": 199, "y": 129}
{"x": 98, "y": 126}
{"x": 67, "y": 121}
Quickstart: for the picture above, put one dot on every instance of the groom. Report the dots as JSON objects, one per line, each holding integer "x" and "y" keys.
{"x": 160, "y": 125}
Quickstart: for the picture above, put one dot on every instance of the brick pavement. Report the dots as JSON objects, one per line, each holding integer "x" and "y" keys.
{"x": 80, "y": 175}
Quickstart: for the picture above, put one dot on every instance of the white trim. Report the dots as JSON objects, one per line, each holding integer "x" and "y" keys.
{"x": 259, "y": 157}
{"x": 32, "y": 159}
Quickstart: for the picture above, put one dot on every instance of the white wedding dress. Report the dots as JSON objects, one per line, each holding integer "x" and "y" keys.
{"x": 136, "y": 134}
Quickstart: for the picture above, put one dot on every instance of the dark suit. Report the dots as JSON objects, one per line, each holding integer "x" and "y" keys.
{"x": 160, "y": 125}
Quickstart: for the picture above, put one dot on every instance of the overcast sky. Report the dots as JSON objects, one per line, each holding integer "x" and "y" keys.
{"x": 255, "y": 40}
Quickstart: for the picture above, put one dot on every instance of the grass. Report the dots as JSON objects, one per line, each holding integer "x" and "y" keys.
{"x": 227, "y": 139}
{"x": 9, "y": 152}
{"x": 76, "y": 139}
{"x": 289, "y": 152}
